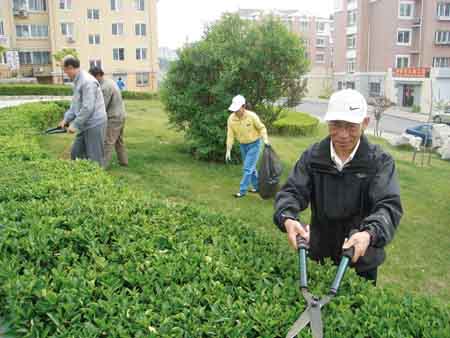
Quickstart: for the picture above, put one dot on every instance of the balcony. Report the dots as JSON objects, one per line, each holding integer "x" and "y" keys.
{"x": 417, "y": 22}
{"x": 20, "y": 12}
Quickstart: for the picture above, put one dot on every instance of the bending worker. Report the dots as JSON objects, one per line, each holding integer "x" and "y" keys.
{"x": 247, "y": 128}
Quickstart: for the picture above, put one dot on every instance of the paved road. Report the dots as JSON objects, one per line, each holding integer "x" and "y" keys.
{"x": 389, "y": 124}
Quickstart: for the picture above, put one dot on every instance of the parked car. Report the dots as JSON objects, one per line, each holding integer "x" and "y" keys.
{"x": 442, "y": 117}
{"x": 423, "y": 131}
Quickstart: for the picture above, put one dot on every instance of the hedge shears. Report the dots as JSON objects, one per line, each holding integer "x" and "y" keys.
{"x": 312, "y": 313}
{"x": 57, "y": 130}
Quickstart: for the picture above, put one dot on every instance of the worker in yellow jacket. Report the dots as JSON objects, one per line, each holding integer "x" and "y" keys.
{"x": 247, "y": 128}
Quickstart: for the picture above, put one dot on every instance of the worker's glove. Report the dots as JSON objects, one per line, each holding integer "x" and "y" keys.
{"x": 228, "y": 156}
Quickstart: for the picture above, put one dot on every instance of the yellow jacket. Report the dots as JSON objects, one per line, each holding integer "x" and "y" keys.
{"x": 246, "y": 130}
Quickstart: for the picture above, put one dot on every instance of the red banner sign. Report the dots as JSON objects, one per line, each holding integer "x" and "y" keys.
{"x": 412, "y": 72}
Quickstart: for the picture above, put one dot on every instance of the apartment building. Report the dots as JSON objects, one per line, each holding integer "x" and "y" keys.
{"x": 396, "y": 48}
{"x": 118, "y": 35}
{"x": 316, "y": 34}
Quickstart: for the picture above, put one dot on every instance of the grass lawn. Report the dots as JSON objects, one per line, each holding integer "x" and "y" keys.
{"x": 418, "y": 258}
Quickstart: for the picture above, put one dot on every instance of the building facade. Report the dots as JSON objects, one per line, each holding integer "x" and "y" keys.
{"x": 395, "y": 48}
{"x": 118, "y": 35}
{"x": 316, "y": 34}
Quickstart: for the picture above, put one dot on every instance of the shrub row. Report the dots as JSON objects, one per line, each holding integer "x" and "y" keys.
{"x": 296, "y": 124}
{"x": 84, "y": 256}
{"x": 61, "y": 90}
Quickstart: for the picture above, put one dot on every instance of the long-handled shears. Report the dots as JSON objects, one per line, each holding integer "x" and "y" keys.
{"x": 312, "y": 313}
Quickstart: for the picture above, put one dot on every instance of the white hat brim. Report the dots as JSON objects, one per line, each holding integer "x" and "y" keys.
{"x": 337, "y": 116}
{"x": 235, "y": 107}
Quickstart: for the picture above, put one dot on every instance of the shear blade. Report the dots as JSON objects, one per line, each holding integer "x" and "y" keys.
{"x": 316, "y": 322}
{"x": 299, "y": 324}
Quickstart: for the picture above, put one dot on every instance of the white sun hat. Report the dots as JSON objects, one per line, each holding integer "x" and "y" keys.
{"x": 347, "y": 105}
{"x": 237, "y": 103}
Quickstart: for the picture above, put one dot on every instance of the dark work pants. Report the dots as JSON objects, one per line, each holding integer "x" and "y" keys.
{"x": 370, "y": 275}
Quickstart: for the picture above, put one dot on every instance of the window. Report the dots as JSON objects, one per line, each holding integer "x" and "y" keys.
{"x": 34, "y": 58}
{"x": 351, "y": 65}
{"x": 443, "y": 10}
{"x": 67, "y": 29}
{"x": 320, "y": 27}
{"x": 93, "y": 14}
{"x": 351, "y": 41}
{"x": 320, "y": 57}
{"x": 3, "y": 59}
{"x": 139, "y": 5}
{"x": 374, "y": 89}
{"x": 32, "y": 31}
{"x": 402, "y": 61}
{"x": 351, "y": 18}
{"x": 441, "y": 62}
{"x": 20, "y": 4}
{"x": 320, "y": 42}
{"x": 118, "y": 54}
{"x": 37, "y": 5}
{"x": 65, "y": 4}
{"x": 350, "y": 85}
{"x": 141, "y": 53}
{"x": 94, "y": 39}
{"x": 140, "y": 29}
{"x": 117, "y": 29}
{"x": 406, "y": 10}
{"x": 404, "y": 37}
{"x": 340, "y": 85}
{"x": 442, "y": 37}
{"x": 116, "y": 5}
{"x": 95, "y": 63}
{"x": 351, "y": 3}
{"x": 2, "y": 30}
{"x": 304, "y": 26}
{"x": 142, "y": 79}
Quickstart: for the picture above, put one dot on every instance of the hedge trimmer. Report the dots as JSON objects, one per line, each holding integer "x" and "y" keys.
{"x": 312, "y": 313}
{"x": 57, "y": 130}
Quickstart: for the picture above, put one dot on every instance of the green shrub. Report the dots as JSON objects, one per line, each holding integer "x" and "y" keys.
{"x": 128, "y": 95}
{"x": 296, "y": 124}
{"x": 83, "y": 256}
{"x": 262, "y": 61}
{"x": 61, "y": 90}
{"x": 35, "y": 89}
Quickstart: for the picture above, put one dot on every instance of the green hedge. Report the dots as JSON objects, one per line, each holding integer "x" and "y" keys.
{"x": 61, "y": 90}
{"x": 296, "y": 124}
{"x": 83, "y": 256}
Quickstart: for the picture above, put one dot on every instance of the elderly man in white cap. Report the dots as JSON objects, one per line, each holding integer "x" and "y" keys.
{"x": 247, "y": 128}
{"x": 352, "y": 187}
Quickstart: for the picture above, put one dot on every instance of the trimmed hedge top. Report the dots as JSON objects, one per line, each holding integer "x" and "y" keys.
{"x": 84, "y": 256}
{"x": 296, "y": 124}
{"x": 61, "y": 90}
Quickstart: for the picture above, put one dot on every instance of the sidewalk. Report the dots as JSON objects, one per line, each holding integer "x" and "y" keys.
{"x": 395, "y": 111}
{"x": 34, "y": 98}
{"x": 406, "y": 115}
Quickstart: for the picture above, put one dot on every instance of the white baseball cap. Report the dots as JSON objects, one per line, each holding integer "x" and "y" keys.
{"x": 347, "y": 105}
{"x": 237, "y": 103}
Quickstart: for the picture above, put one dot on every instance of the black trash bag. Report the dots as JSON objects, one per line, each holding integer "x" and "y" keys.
{"x": 270, "y": 170}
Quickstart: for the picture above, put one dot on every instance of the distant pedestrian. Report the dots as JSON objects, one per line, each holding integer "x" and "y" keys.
{"x": 247, "y": 128}
{"x": 120, "y": 84}
{"x": 87, "y": 115}
{"x": 115, "y": 111}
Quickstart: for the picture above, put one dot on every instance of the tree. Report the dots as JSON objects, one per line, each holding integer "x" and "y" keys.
{"x": 260, "y": 60}
{"x": 59, "y": 58}
{"x": 380, "y": 105}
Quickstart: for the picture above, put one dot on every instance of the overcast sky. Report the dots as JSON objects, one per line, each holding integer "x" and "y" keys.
{"x": 181, "y": 19}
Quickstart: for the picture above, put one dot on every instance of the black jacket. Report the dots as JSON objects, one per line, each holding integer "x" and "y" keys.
{"x": 365, "y": 195}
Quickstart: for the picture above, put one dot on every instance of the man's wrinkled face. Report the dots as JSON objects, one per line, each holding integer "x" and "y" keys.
{"x": 345, "y": 135}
